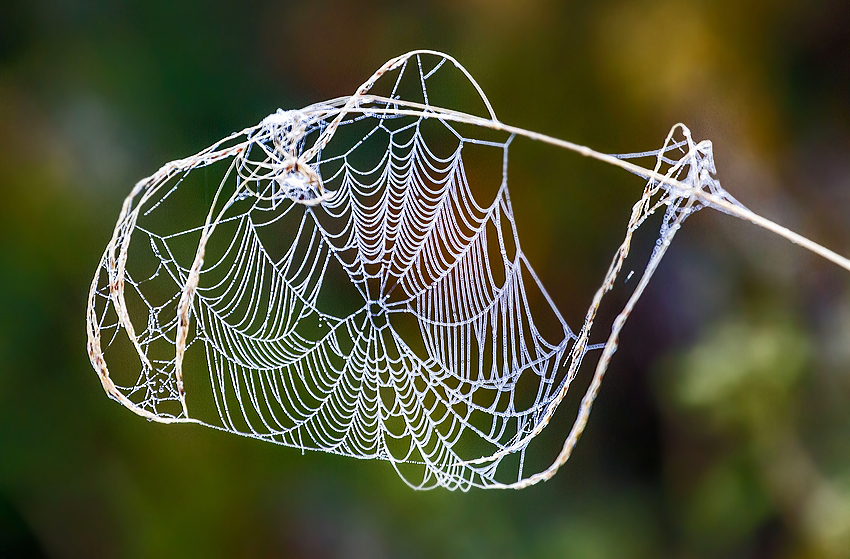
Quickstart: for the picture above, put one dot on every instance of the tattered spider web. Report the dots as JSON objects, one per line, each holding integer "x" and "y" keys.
{"x": 451, "y": 356}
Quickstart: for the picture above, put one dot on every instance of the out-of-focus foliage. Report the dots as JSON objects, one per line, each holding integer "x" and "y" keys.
{"x": 722, "y": 428}
{"x": 745, "y": 384}
{"x": 743, "y": 376}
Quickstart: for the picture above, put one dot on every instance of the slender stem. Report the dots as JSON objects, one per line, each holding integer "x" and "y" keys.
{"x": 774, "y": 227}
{"x": 705, "y": 197}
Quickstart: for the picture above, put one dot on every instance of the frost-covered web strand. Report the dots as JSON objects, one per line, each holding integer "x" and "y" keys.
{"x": 453, "y": 358}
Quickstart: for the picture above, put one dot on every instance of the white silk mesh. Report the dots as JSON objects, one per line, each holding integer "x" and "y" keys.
{"x": 384, "y": 310}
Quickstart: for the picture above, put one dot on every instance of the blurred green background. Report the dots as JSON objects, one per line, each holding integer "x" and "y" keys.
{"x": 723, "y": 427}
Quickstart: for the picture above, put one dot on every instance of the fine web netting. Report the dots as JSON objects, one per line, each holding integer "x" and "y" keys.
{"x": 349, "y": 278}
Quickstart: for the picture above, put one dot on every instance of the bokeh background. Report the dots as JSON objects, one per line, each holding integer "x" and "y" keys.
{"x": 723, "y": 427}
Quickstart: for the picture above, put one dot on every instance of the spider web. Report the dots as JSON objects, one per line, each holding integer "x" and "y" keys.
{"x": 344, "y": 287}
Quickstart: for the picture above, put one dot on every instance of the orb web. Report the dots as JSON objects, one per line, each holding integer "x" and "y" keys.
{"x": 338, "y": 278}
